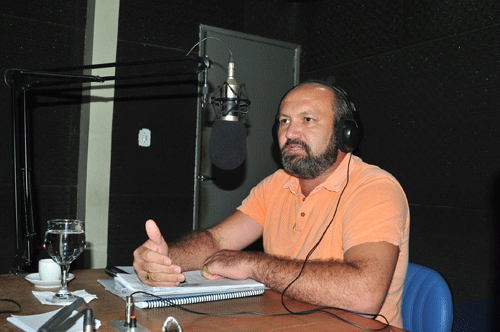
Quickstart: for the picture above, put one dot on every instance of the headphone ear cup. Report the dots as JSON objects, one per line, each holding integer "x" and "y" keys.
{"x": 349, "y": 134}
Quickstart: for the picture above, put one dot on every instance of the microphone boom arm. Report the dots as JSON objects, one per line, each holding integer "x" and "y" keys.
{"x": 22, "y": 80}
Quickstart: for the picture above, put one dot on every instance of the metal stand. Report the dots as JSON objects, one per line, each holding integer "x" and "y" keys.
{"x": 120, "y": 326}
{"x": 20, "y": 81}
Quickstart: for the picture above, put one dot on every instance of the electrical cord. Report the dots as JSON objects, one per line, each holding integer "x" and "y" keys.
{"x": 201, "y": 41}
{"x": 172, "y": 304}
{"x": 6, "y": 81}
{"x": 322, "y": 309}
{"x": 290, "y": 312}
{"x": 319, "y": 241}
{"x": 11, "y": 311}
{"x": 304, "y": 312}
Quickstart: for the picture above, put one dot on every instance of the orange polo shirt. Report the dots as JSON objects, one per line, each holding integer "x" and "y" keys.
{"x": 372, "y": 208}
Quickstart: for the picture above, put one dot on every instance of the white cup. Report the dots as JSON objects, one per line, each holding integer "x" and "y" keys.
{"x": 49, "y": 270}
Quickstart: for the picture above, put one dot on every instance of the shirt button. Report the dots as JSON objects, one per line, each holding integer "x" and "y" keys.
{"x": 302, "y": 214}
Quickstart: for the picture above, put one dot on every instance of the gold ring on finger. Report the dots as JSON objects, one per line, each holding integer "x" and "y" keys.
{"x": 149, "y": 277}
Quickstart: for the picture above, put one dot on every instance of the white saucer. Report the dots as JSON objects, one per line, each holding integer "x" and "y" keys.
{"x": 34, "y": 278}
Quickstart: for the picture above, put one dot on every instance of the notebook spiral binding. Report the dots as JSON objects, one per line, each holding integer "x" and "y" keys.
{"x": 159, "y": 303}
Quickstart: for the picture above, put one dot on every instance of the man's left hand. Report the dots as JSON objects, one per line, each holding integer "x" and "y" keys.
{"x": 231, "y": 264}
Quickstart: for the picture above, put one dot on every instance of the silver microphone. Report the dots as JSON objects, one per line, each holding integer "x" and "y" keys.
{"x": 230, "y": 94}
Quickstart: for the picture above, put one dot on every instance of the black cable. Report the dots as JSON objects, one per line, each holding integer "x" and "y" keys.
{"x": 11, "y": 311}
{"x": 319, "y": 241}
{"x": 220, "y": 41}
{"x": 309, "y": 255}
{"x": 172, "y": 304}
{"x": 305, "y": 312}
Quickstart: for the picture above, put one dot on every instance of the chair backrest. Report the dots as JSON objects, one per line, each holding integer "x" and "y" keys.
{"x": 427, "y": 303}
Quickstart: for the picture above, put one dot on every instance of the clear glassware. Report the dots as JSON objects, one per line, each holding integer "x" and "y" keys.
{"x": 64, "y": 241}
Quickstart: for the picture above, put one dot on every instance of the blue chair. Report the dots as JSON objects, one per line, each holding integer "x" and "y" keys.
{"x": 427, "y": 304}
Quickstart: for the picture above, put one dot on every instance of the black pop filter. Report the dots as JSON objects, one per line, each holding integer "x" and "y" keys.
{"x": 227, "y": 146}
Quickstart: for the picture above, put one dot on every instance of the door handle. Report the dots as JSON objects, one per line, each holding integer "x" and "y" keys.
{"x": 202, "y": 178}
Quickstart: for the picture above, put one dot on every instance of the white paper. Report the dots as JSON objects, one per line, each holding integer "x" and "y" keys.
{"x": 195, "y": 284}
{"x": 32, "y": 323}
{"x": 42, "y": 296}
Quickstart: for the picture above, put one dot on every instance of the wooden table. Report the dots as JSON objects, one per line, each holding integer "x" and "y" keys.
{"x": 108, "y": 308}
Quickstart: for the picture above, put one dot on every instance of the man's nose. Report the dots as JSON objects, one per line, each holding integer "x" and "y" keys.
{"x": 293, "y": 131}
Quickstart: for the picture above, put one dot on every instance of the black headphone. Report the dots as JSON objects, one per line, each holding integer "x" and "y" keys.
{"x": 348, "y": 129}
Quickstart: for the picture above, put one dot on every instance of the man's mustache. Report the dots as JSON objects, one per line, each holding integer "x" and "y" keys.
{"x": 295, "y": 142}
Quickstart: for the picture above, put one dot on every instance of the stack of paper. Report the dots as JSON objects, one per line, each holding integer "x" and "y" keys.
{"x": 195, "y": 289}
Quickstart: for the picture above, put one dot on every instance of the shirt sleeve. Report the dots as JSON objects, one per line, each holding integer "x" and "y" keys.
{"x": 254, "y": 205}
{"x": 376, "y": 211}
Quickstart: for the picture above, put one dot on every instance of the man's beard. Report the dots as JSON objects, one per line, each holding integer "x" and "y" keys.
{"x": 309, "y": 167}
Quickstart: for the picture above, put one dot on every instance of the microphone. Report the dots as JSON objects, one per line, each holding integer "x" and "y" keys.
{"x": 61, "y": 316}
{"x": 88, "y": 321}
{"x": 227, "y": 145}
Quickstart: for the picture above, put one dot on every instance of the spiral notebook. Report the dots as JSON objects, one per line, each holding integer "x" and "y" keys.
{"x": 195, "y": 289}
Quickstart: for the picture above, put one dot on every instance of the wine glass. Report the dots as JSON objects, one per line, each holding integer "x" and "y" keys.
{"x": 64, "y": 241}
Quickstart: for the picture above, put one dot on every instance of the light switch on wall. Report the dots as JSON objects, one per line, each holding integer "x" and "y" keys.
{"x": 144, "y": 137}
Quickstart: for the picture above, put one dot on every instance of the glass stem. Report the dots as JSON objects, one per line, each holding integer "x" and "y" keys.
{"x": 63, "y": 290}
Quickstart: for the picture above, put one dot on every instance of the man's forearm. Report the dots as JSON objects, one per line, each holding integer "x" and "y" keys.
{"x": 326, "y": 283}
{"x": 191, "y": 250}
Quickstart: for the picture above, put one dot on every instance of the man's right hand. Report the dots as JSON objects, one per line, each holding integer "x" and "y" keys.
{"x": 151, "y": 261}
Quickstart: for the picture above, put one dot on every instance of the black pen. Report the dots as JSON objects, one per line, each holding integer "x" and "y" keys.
{"x": 189, "y": 284}
{"x": 113, "y": 270}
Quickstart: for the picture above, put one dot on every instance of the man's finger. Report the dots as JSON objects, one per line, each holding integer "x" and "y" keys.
{"x": 206, "y": 273}
{"x": 153, "y": 232}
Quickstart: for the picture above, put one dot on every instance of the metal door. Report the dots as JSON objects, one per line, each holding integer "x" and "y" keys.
{"x": 268, "y": 68}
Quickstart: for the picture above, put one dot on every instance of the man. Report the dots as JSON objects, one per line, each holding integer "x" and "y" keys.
{"x": 355, "y": 216}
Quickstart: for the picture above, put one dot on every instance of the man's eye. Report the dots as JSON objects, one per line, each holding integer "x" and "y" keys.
{"x": 308, "y": 119}
{"x": 284, "y": 121}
